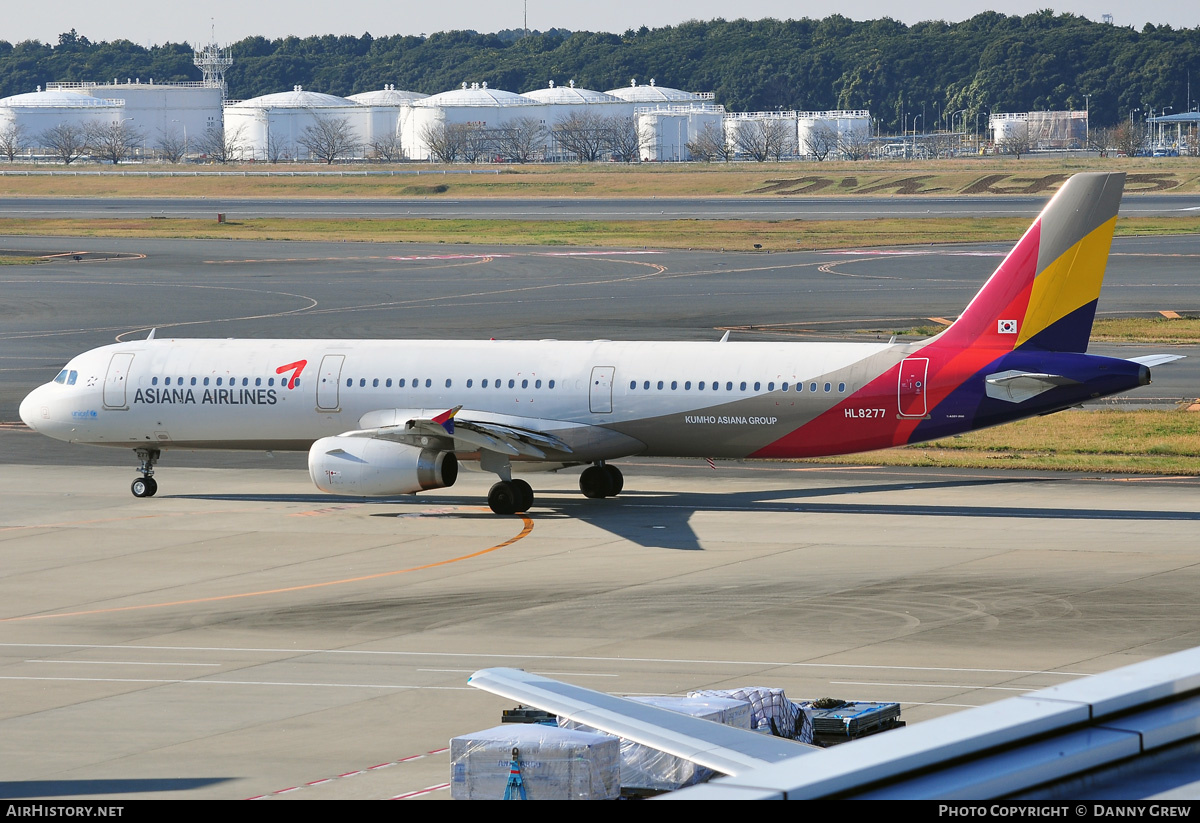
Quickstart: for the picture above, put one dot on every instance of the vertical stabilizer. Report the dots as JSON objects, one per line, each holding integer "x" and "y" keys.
{"x": 1043, "y": 296}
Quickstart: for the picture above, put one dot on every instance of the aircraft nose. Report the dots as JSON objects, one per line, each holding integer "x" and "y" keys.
{"x": 34, "y": 410}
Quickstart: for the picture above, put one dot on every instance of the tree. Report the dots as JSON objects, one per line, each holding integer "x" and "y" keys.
{"x": 13, "y": 140}
{"x": 710, "y": 144}
{"x": 221, "y": 144}
{"x": 581, "y": 134}
{"x": 761, "y": 138}
{"x": 171, "y": 145}
{"x": 522, "y": 140}
{"x": 66, "y": 141}
{"x": 821, "y": 140}
{"x": 478, "y": 143}
{"x": 1016, "y": 140}
{"x": 329, "y": 138}
{"x": 386, "y": 149}
{"x": 856, "y": 144}
{"x": 112, "y": 141}
{"x": 279, "y": 148}
{"x": 446, "y": 141}
{"x": 1128, "y": 138}
{"x": 621, "y": 139}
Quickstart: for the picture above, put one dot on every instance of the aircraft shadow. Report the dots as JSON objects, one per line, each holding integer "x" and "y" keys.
{"x": 662, "y": 519}
{"x": 18, "y": 789}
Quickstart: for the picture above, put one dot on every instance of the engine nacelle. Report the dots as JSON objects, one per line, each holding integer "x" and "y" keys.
{"x": 378, "y": 468}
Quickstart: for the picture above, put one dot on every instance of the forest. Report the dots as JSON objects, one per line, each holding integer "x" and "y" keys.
{"x": 920, "y": 76}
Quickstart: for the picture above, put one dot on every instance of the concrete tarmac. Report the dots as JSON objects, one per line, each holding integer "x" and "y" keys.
{"x": 778, "y": 207}
{"x": 242, "y": 635}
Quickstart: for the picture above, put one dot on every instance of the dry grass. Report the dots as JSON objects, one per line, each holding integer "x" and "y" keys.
{"x": 1140, "y": 442}
{"x": 880, "y": 177}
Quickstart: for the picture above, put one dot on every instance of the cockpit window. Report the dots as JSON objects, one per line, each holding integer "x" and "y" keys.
{"x": 62, "y": 377}
{"x": 72, "y": 377}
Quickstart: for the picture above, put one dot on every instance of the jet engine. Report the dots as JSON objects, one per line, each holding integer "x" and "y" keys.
{"x": 378, "y": 468}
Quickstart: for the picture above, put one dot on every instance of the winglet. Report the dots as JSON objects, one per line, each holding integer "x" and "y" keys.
{"x": 446, "y": 419}
{"x": 150, "y": 336}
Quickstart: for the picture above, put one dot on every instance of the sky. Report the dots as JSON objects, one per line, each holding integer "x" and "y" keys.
{"x": 150, "y": 23}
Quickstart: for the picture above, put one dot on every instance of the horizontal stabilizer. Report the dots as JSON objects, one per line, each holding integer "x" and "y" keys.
{"x": 1151, "y": 360}
{"x": 722, "y": 748}
{"x": 1019, "y": 386}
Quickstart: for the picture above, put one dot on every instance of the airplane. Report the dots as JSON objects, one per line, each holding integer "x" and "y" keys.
{"x": 391, "y": 417}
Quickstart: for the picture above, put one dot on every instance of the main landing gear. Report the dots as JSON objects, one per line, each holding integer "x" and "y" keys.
{"x": 601, "y": 480}
{"x": 146, "y": 485}
{"x": 512, "y": 496}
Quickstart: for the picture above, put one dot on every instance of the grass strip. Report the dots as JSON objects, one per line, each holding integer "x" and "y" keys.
{"x": 1156, "y": 442}
{"x": 726, "y": 235}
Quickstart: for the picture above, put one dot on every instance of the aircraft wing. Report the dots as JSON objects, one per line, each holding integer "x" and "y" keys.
{"x": 722, "y": 748}
{"x": 459, "y": 431}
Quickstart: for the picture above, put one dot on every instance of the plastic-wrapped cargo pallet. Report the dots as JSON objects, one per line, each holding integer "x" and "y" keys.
{"x": 771, "y": 711}
{"x": 645, "y": 768}
{"x": 556, "y": 764}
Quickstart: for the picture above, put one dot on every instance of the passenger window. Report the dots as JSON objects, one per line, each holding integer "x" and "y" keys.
{"x": 271, "y": 381}
{"x": 447, "y": 382}
{"x": 193, "y": 381}
{"x": 428, "y": 382}
{"x": 484, "y": 383}
{"x": 362, "y": 382}
{"x": 729, "y": 386}
{"x": 757, "y": 385}
{"x": 258, "y": 381}
{"x": 660, "y": 385}
{"x": 511, "y": 382}
{"x": 206, "y": 381}
{"x": 674, "y": 385}
{"x": 524, "y": 384}
{"x": 646, "y": 384}
{"x": 827, "y": 387}
{"x": 551, "y": 384}
{"x": 166, "y": 381}
{"x": 400, "y": 383}
{"x": 470, "y": 382}
{"x": 245, "y": 381}
{"x": 375, "y": 383}
{"x": 62, "y": 377}
{"x": 771, "y": 386}
{"x": 700, "y": 385}
{"x": 537, "y": 384}
{"x": 785, "y": 386}
{"x": 687, "y": 386}
{"x": 633, "y": 384}
{"x": 743, "y": 386}
{"x": 219, "y": 381}
{"x": 812, "y": 386}
{"x": 841, "y": 388}
{"x": 388, "y": 384}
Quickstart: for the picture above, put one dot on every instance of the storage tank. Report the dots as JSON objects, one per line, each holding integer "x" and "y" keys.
{"x": 270, "y": 126}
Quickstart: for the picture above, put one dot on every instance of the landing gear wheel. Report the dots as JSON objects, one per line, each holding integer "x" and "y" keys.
{"x": 596, "y": 482}
{"x": 144, "y": 487}
{"x": 618, "y": 479}
{"x": 503, "y": 498}
{"x": 524, "y": 495}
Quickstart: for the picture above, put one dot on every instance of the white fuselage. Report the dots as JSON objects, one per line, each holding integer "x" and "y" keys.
{"x": 699, "y": 399}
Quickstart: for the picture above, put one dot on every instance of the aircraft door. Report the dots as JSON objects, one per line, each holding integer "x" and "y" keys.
{"x": 328, "y": 381}
{"x": 116, "y": 381}
{"x": 600, "y": 395}
{"x": 911, "y": 392}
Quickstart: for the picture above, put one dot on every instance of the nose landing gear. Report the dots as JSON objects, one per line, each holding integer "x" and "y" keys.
{"x": 146, "y": 485}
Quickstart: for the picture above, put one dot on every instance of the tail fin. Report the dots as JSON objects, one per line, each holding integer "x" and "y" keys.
{"x": 1043, "y": 296}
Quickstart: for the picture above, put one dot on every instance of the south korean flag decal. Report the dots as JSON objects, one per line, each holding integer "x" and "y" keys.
{"x": 1006, "y": 327}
